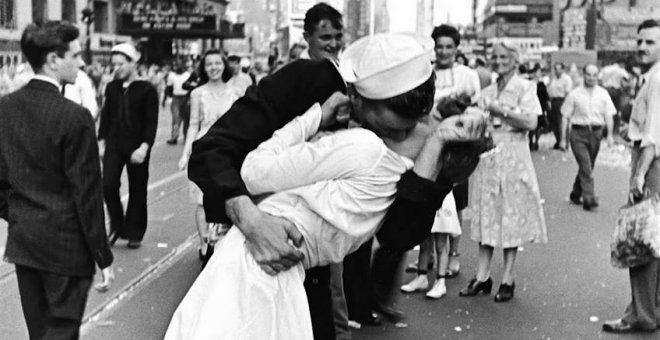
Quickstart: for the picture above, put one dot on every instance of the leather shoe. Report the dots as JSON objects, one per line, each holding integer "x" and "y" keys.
{"x": 575, "y": 199}
{"x": 622, "y": 327}
{"x": 590, "y": 205}
{"x": 389, "y": 312}
{"x": 371, "y": 320}
{"x": 505, "y": 293}
{"x": 475, "y": 286}
{"x": 132, "y": 244}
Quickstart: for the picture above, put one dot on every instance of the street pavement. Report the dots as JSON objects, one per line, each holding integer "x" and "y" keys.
{"x": 564, "y": 289}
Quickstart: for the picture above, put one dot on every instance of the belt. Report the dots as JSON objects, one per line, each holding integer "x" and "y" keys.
{"x": 586, "y": 127}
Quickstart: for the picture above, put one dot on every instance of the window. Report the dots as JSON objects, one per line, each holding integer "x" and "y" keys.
{"x": 101, "y": 16}
{"x": 69, "y": 11}
{"x": 7, "y": 14}
{"x": 39, "y": 10}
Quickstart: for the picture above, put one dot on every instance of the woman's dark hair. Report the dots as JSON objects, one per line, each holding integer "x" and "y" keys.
{"x": 413, "y": 104}
{"x": 201, "y": 70}
{"x": 39, "y": 39}
{"x": 321, "y": 11}
{"x": 447, "y": 31}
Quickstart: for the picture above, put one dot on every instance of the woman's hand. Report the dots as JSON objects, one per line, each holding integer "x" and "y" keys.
{"x": 470, "y": 126}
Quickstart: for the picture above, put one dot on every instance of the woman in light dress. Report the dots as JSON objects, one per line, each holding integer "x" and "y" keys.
{"x": 505, "y": 202}
{"x": 208, "y": 103}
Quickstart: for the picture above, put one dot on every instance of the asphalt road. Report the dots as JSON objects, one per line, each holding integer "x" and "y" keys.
{"x": 564, "y": 289}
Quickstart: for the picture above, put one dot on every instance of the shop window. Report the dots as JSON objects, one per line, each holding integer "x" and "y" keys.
{"x": 7, "y": 14}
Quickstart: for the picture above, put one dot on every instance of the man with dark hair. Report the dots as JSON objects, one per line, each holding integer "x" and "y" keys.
{"x": 323, "y": 32}
{"x": 129, "y": 119}
{"x": 50, "y": 187}
{"x": 643, "y": 312}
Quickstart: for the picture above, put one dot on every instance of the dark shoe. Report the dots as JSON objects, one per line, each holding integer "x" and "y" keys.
{"x": 477, "y": 286}
{"x": 132, "y": 244}
{"x": 621, "y": 327}
{"x": 575, "y": 199}
{"x": 505, "y": 293}
{"x": 450, "y": 274}
{"x": 590, "y": 205}
{"x": 372, "y": 320}
{"x": 389, "y": 312}
{"x": 171, "y": 142}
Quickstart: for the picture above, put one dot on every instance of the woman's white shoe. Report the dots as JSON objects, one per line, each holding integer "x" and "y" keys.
{"x": 421, "y": 282}
{"x": 439, "y": 290}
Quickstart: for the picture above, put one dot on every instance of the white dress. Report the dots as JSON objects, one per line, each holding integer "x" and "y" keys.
{"x": 336, "y": 190}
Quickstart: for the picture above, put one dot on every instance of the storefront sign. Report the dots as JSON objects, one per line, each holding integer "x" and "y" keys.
{"x": 151, "y": 24}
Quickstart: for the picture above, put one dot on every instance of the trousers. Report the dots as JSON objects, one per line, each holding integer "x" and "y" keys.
{"x": 133, "y": 224}
{"x": 53, "y": 304}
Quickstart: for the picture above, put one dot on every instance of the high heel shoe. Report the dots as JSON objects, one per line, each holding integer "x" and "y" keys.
{"x": 505, "y": 293}
{"x": 476, "y": 286}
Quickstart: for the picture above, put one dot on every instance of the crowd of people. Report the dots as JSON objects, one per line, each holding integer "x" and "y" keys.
{"x": 342, "y": 145}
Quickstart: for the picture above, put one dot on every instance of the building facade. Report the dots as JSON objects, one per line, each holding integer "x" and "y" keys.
{"x": 616, "y": 23}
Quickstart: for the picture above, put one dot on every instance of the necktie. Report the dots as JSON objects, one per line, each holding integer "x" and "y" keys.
{"x": 63, "y": 88}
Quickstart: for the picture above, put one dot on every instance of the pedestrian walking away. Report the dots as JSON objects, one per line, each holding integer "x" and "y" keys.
{"x": 50, "y": 187}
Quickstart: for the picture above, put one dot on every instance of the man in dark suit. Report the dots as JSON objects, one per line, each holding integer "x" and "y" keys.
{"x": 50, "y": 187}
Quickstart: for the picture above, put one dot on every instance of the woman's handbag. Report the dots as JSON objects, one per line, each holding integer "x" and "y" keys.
{"x": 637, "y": 234}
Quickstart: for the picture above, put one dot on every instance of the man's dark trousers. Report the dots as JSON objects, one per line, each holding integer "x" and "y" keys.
{"x": 357, "y": 282}
{"x": 585, "y": 143}
{"x": 53, "y": 304}
{"x": 554, "y": 117}
{"x": 317, "y": 287}
{"x": 133, "y": 225}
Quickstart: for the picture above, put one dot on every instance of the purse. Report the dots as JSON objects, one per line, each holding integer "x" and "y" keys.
{"x": 636, "y": 238}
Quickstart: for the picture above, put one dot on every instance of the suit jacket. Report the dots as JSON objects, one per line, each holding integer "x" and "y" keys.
{"x": 50, "y": 183}
{"x": 217, "y": 157}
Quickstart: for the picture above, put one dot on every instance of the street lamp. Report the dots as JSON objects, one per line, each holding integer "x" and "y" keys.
{"x": 88, "y": 19}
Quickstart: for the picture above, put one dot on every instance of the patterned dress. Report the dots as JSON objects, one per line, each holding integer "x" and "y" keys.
{"x": 212, "y": 106}
{"x": 505, "y": 202}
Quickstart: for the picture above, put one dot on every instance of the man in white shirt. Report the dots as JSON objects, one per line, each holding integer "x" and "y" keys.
{"x": 240, "y": 80}
{"x": 559, "y": 87}
{"x": 643, "y": 312}
{"x": 588, "y": 109}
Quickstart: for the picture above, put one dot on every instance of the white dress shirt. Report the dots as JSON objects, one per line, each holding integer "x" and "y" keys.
{"x": 585, "y": 106}
{"x": 645, "y": 117}
{"x": 82, "y": 92}
{"x": 560, "y": 87}
{"x": 336, "y": 189}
